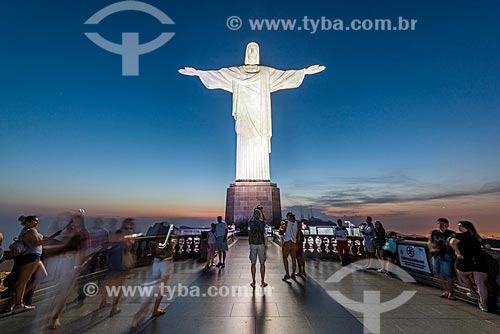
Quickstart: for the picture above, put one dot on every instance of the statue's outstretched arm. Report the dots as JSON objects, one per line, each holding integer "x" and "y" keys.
{"x": 189, "y": 71}
{"x": 315, "y": 69}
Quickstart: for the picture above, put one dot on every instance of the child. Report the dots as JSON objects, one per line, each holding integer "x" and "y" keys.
{"x": 390, "y": 251}
{"x": 211, "y": 246}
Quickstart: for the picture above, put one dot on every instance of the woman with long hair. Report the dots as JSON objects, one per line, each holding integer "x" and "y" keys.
{"x": 211, "y": 247}
{"x": 380, "y": 239}
{"x": 471, "y": 262}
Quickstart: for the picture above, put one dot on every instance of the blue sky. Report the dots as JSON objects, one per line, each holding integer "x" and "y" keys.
{"x": 402, "y": 125}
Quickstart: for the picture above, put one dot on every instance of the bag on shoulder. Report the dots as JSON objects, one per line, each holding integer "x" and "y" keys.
{"x": 256, "y": 236}
{"x": 17, "y": 247}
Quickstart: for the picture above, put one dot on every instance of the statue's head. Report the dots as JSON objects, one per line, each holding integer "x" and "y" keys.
{"x": 252, "y": 54}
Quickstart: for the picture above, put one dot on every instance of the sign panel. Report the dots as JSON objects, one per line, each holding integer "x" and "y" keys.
{"x": 325, "y": 230}
{"x": 413, "y": 257}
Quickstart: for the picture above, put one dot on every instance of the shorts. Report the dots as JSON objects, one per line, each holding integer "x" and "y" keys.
{"x": 300, "y": 250}
{"x": 28, "y": 258}
{"x": 289, "y": 248}
{"x": 258, "y": 251}
{"x": 479, "y": 264}
{"x": 160, "y": 268}
{"x": 390, "y": 255}
{"x": 443, "y": 265}
{"x": 220, "y": 244}
{"x": 369, "y": 247}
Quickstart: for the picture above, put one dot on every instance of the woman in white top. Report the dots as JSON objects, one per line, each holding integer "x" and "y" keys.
{"x": 211, "y": 247}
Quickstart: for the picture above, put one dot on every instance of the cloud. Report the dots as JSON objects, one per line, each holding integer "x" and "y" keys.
{"x": 354, "y": 193}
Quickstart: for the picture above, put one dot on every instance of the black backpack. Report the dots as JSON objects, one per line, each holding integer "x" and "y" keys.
{"x": 256, "y": 237}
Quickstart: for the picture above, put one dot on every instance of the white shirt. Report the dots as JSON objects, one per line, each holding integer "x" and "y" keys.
{"x": 340, "y": 233}
{"x": 291, "y": 231}
{"x": 211, "y": 237}
{"x": 220, "y": 229}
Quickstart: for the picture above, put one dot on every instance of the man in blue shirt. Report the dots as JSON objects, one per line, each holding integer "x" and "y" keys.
{"x": 221, "y": 231}
{"x": 368, "y": 235}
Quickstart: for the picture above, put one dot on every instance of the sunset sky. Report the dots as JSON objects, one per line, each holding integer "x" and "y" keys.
{"x": 402, "y": 125}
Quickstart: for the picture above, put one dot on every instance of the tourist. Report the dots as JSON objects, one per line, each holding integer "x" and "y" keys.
{"x": 442, "y": 256}
{"x": 342, "y": 244}
{"x": 301, "y": 262}
{"x": 221, "y": 232}
{"x": 258, "y": 247}
{"x": 30, "y": 270}
{"x": 211, "y": 246}
{"x": 390, "y": 252}
{"x": 161, "y": 271}
{"x": 471, "y": 262}
{"x": 71, "y": 263}
{"x": 368, "y": 232}
{"x": 120, "y": 260}
{"x": 99, "y": 237}
{"x": 290, "y": 230}
{"x": 379, "y": 240}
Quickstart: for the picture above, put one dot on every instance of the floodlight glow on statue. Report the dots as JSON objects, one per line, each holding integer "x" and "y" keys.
{"x": 251, "y": 86}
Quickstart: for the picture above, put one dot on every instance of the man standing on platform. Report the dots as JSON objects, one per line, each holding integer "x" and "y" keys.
{"x": 342, "y": 245}
{"x": 221, "y": 231}
{"x": 368, "y": 235}
{"x": 290, "y": 230}
{"x": 258, "y": 247}
{"x": 443, "y": 256}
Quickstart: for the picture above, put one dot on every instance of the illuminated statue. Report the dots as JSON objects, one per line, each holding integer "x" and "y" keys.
{"x": 251, "y": 86}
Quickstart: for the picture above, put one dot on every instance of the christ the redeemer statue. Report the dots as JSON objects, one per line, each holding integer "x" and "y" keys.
{"x": 251, "y": 86}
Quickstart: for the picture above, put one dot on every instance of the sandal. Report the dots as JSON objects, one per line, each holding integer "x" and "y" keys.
{"x": 252, "y": 285}
{"x": 263, "y": 285}
{"x": 56, "y": 323}
{"x": 444, "y": 295}
{"x": 452, "y": 297}
{"x": 158, "y": 313}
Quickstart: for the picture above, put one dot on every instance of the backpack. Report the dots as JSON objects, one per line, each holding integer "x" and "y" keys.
{"x": 256, "y": 237}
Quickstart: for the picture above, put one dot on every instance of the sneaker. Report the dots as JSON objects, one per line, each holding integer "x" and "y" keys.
{"x": 21, "y": 308}
{"x": 381, "y": 270}
{"x": 286, "y": 277}
{"x": 472, "y": 295}
{"x": 483, "y": 308}
{"x": 114, "y": 310}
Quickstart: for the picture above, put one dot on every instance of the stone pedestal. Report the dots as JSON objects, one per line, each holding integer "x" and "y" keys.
{"x": 243, "y": 197}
